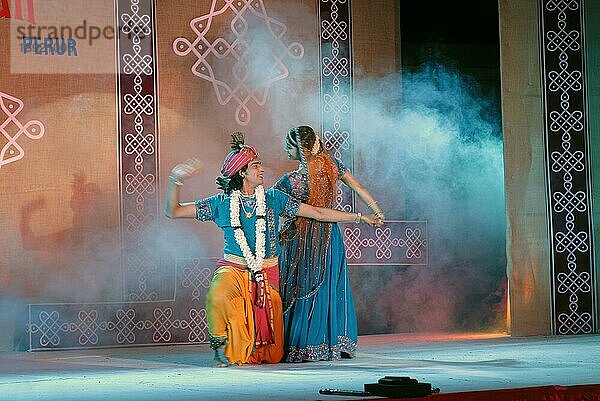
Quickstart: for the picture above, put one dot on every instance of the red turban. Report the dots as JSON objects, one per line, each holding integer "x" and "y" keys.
{"x": 238, "y": 159}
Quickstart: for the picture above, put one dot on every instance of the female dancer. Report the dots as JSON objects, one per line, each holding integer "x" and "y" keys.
{"x": 319, "y": 317}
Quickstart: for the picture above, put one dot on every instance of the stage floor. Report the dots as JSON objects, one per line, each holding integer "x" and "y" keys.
{"x": 451, "y": 363}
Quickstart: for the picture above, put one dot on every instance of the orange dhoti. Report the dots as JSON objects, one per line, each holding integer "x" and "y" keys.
{"x": 231, "y": 308}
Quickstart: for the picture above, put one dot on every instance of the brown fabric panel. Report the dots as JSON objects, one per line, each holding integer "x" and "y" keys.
{"x": 375, "y": 46}
{"x": 528, "y": 255}
{"x": 59, "y": 201}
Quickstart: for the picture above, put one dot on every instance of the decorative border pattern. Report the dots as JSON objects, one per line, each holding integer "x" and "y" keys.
{"x": 336, "y": 87}
{"x": 397, "y": 243}
{"x": 137, "y": 115}
{"x": 568, "y": 174}
{"x": 82, "y": 326}
{"x": 181, "y": 320}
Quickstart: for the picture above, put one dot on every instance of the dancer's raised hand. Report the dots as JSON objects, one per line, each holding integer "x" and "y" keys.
{"x": 185, "y": 170}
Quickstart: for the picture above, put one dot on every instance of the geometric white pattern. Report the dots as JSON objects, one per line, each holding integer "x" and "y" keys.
{"x": 197, "y": 278}
{"x": 396, "y": 243}
{"x": 12, "y": 129}
{"x": 181, "y": 320}
{"x": 50, "y": 329}
{"x": 139, "y": 167}
{"x": 568, "y": 186}
{"x": 238, "y": 80}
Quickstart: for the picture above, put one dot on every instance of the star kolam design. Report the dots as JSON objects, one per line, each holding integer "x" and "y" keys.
{"x": 243, "y": 62}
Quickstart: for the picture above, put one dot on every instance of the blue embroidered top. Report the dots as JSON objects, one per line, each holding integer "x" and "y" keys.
{"x": 216, "y": 208}
{"x": 296, "y": 184}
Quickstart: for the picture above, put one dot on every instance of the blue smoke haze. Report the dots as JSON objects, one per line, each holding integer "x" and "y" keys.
{"x": 429, "y": 145}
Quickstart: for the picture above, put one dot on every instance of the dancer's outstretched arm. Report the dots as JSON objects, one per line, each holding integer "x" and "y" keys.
{"x": 332, "y": 215}
{"x": 362, "y": 193}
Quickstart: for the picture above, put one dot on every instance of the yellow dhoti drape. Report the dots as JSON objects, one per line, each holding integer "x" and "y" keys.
{"x": 230, "y": 316}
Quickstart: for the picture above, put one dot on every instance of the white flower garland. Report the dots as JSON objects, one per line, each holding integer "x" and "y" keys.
{"x": 255, "y": 263}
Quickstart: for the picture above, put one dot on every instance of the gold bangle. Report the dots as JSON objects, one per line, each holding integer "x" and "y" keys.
{"x": 358, "y": 218}
{"x": 371, "y": 204}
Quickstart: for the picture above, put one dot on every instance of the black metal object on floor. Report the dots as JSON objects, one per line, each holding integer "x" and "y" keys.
{"x": 389, "y": 386}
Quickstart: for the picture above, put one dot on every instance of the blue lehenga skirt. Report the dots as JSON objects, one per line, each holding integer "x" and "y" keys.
{"x": 319, "y": 315}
